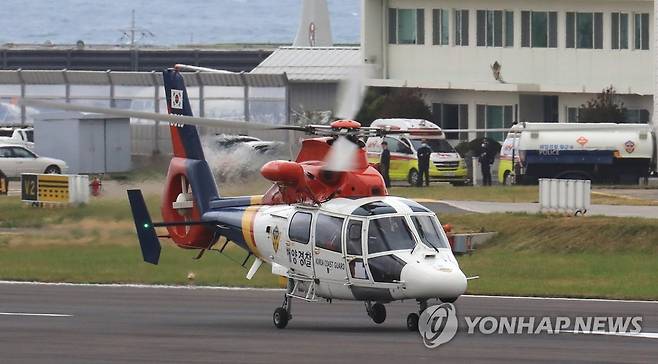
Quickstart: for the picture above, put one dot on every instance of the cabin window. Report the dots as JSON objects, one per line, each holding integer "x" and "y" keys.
{"x": 328, "y": 230}
{"x": 354, "y": 238}
{"x": 300, "y": 227}
{"x": 429, "y": 232}
{"x": 389, "y": 233}
{"x": 386, "y": 268}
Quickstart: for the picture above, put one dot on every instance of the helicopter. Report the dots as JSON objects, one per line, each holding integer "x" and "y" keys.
{"x": 327, "y": 225}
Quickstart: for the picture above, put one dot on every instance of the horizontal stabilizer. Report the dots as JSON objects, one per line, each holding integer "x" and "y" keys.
{"x": 148, "y": 240}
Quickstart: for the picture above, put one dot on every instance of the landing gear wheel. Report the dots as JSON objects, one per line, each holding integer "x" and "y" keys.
{"x": 448, "y": 299}
{"x": 378, "y": 313}
{"x": 280, "y": 318}
{"x": 412, "y": 322}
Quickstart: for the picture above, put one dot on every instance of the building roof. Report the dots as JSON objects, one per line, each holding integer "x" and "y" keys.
{"x": 326, "y": 64}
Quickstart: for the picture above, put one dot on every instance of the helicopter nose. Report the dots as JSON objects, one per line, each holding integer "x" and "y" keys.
{"x": 428, "y": 281}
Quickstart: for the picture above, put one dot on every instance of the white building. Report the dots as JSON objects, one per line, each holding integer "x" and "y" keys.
{"x": 488, "y": 63}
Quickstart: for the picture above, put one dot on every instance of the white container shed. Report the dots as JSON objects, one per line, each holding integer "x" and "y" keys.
{"x": 88, "y": 143}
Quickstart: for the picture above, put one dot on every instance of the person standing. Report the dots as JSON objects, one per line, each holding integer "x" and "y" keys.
{"x": 486, "y": 160}
{"x": 385, "y": 164}
{"x": 423, "y": 153}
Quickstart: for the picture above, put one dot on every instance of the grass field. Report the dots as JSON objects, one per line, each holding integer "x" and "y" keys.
{"x": 531, "y": 255}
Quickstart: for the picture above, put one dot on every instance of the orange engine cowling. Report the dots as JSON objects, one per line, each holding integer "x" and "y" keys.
{"x": 180, "y": 203}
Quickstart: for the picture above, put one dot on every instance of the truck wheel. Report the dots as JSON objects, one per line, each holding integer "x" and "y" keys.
{"x": 53, "y": 170}
{"x": 412, "y": 178}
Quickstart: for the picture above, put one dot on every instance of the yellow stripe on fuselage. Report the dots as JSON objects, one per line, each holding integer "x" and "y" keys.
{"x": 248, "y": 229}
{"x": 256, "y": 200}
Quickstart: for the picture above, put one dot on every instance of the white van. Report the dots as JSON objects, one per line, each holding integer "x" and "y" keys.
{"x": 446, "y": 163}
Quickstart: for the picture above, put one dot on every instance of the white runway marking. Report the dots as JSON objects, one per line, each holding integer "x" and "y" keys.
{"x": 34, "y": 314}
{"x": 224, "y": 288}
{"x": 646, "y": 335}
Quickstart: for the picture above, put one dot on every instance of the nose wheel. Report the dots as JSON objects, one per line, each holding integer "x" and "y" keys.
{"x": 412, "y": 321}
{"x": 412, "y": 318}
{"x": 377, "y": 312}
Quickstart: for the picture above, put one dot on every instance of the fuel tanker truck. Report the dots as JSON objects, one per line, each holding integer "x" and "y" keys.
{"x": 601, "y": 152}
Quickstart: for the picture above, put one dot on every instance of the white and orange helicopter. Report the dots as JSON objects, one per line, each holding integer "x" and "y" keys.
{"x": 327, "y": 224}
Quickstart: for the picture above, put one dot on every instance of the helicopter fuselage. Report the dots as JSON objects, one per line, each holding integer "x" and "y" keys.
{"x": 372, "y": 249}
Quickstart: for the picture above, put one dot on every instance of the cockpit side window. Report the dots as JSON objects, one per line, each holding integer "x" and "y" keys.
{"x": 429, "y": 231}
{"x": 354, "y": 237}
{"x": 389, "y": 233}
{"x": 328, "y": 231}
{"x": 300, "y": 227}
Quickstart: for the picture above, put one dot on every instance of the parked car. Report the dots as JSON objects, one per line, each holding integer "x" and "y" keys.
{"x": 24, "y": 136}
{"x": 223, "y": 142}
{"x": 16, "y": 159}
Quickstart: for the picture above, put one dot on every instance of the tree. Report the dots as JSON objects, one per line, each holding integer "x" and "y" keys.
{"x": 393, "y": 103}
{"x": 604, "y": 108}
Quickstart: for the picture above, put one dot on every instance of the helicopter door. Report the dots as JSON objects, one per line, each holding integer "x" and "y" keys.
{"x": 356, "y": 265}
{"x": 298, "y": 245}
{"x": 328, "y": 252}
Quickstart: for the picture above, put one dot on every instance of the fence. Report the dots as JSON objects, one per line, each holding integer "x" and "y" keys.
{"x": 241, "y": 96}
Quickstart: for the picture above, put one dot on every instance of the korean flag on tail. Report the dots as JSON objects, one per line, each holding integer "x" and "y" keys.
{"x": 176, "y": 99}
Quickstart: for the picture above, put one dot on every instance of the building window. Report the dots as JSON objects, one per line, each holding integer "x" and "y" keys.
{"x": 494, "y": 117}
{"x": 440, "y": 26}
{"x": 573, "y": 113}
{"x": 585, "y": 30}
{"x": 494, "y": 27}
{"x": 641, "y": 31}
{"x": 406, "y": 26}
{"x": 451, "y": 116}
{"x": 637, "y": 116}
{"x": 539, "y": 29}
{"x": 461, "y": 27}
{"x": 619, "y": 23}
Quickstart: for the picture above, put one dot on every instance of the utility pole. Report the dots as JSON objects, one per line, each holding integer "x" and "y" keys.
{"x": 133, "y": 31}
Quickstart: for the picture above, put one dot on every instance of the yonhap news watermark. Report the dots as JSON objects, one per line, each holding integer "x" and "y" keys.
{"x": 439, "y": 324}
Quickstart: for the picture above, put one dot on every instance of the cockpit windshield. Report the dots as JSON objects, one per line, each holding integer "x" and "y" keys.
{"x": 389, "y": 233}
{"x": 429, "y": 232}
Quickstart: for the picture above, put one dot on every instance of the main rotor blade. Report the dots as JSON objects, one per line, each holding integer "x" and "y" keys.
{"x": 187, "y": 67}
{"x": 174, "y": 119}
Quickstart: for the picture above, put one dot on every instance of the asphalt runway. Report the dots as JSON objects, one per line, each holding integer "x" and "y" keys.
{"x": 178, "y": 325}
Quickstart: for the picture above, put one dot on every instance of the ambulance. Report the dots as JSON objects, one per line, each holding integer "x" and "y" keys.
{"x": 446, "y": 164}
{"x": 601, "y": 152}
